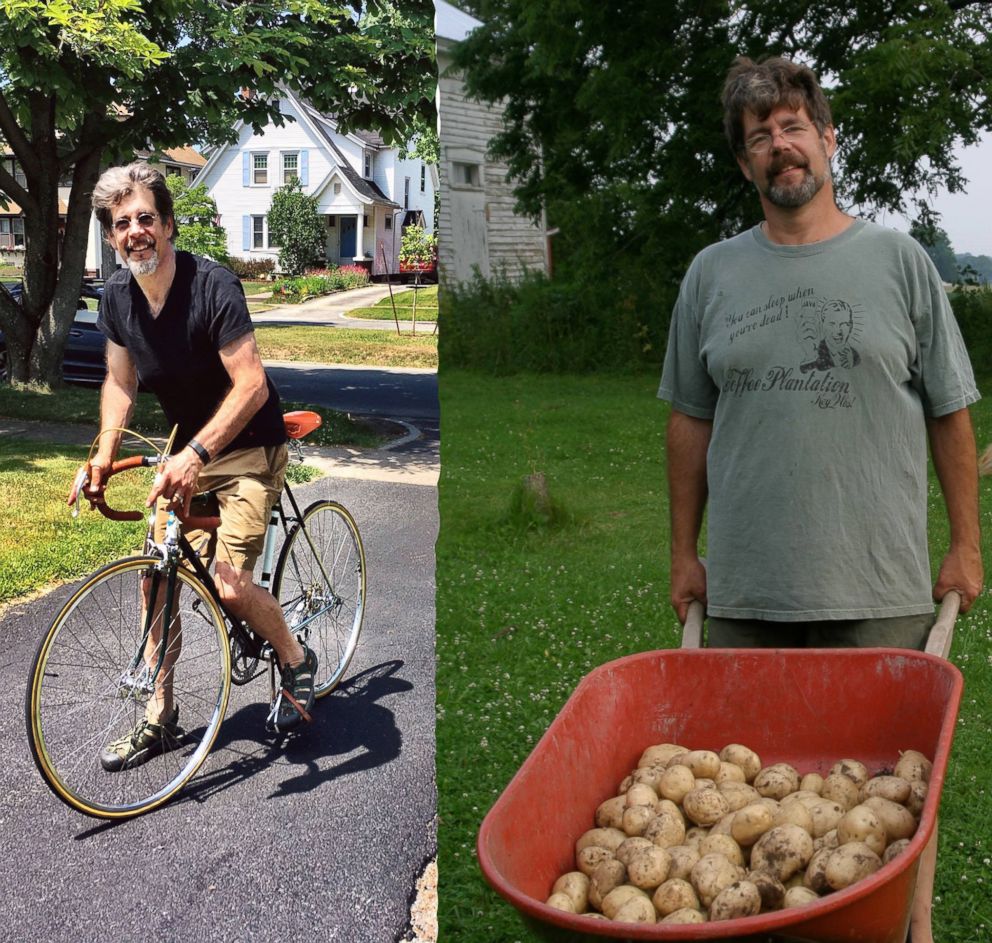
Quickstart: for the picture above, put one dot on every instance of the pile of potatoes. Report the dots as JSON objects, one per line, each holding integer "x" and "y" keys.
{"x": 693, "y": 835}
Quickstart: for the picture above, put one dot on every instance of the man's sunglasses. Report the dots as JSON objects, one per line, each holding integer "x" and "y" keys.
{"x": 144, "y": 220}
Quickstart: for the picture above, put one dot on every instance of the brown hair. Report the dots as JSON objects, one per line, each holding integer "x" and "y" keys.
{"x": 762, "y": 87}
{"x": 118, "y": 183}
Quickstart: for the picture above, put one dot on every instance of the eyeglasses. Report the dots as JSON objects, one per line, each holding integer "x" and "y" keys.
{"x": 144, "y": 220}
{"x": 762, "y": 142}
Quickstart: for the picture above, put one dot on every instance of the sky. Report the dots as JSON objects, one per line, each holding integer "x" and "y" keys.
{"x": 965, "y": 217}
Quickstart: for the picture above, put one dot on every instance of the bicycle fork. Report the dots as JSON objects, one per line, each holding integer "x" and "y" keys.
{"x": 139, "y": 679}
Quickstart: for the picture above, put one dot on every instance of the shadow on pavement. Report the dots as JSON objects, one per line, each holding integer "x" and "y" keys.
{"x": 347, "y": 720}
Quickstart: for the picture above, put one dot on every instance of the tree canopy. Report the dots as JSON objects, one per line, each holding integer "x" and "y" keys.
{"x": 84, "y": 84}
{"x": 196, "y": 215}
{"x": 613, "y": 118}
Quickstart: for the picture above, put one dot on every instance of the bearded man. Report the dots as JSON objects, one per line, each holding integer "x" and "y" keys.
{"x": 815, "y": 472}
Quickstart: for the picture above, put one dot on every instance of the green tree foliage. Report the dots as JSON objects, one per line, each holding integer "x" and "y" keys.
{"x": 196, "y": 215}
{"x": 296, "y": 227}
{"x": 86, "y": 84}
{"x": 418, "y": 246}
{"x": 613, "y": 120}
{"x": 938, "y": 246}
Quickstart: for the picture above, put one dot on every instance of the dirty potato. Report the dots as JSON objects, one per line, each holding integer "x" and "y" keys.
{"x": 850, "y": 863}
{"x": 686, "y": 915}
{"x": 799, "y": 897}
{"x": 636, "y": 910}
{"x": 860, "y": 824}
{"x": 913, "y": 766}
{"x": 744, "y": 757}
{"x": 840, "y": 789}
{"x": 607, "y": 876}
{"x": 777, "y": 781}
{"x": 894, "y": 788}
{"x": 575, "y": 885}
{"x": 705, "y": 806}
{"x": 711, "y": 874}
{"x": 674, "y": 894}
{"x": 741, "y": 899}
{"x": 896, "y": 819}
{"x": 750, "y": 823}
{"x": 783, "y": 850}
{"x": 649, "y": 868}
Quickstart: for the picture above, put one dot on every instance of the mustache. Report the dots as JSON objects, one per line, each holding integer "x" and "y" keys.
{"x": 778, "y": 166}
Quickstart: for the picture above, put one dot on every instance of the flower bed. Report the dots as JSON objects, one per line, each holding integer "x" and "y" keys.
{"x": 319, "y": 282}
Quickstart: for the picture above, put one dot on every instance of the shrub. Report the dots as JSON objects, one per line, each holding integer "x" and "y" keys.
{"x": 251, "y": 268}
{"x": 973, "y": 310}
{"x": 550, "y": 326}
{"x": 296, "y": 227}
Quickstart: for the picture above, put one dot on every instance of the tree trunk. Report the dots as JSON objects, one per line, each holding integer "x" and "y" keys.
{"x": 56, "y": 322}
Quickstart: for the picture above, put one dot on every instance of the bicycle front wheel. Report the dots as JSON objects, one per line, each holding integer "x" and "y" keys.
{"x": 320, "y": 584}
{"x": 94, "y": 674}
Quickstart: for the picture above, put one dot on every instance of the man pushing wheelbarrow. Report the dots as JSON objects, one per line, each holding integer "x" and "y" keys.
{"x": 810, "y": 360}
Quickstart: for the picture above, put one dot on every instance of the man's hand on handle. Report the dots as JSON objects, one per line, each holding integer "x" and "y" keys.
{"x": 961, "y": 570}
{"x": 688, "y": 583}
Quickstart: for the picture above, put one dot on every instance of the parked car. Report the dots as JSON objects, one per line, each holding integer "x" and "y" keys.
{"x": 85, "y": 350}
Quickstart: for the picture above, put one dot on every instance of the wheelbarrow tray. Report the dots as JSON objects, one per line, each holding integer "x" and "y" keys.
{"x": 807, "y": 707}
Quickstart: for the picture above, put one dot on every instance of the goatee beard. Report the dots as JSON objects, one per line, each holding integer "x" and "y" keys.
{"x": 143, "y": 267}
{"x": 797, "y": 194}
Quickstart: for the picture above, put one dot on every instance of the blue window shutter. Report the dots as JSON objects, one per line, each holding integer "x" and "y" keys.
{"x": 246, "y": 170}
{"x": 305, "y": 167}
{"x": 246, "y": 233}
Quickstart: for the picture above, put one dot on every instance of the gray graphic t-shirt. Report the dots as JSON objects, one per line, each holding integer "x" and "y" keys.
{"x": 817, "y": 365}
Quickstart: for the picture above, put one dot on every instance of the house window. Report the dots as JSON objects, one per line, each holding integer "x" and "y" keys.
{"x": 332, "y": 221}
{"x": 423, "y": 178}
{"x": 464, "y": 174}
{"x": 365, "y": 220}
{"x": 14, "y": 169}
{"x": 258, "y": 232}
{"x": 12, "y": 231}
{"x": 260, "y": 169}
{"x": 406, "y": 193}
{"x": 337, "y": 189}
{"x": 368, "y": 164}
{"x": 171, "y": 170}
{"x": 389, "y": 222}
{"x": 290, "y": 167}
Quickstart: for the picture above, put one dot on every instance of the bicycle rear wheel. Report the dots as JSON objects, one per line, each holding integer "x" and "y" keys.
{"x": 89, "y": 686}
{"x": 320, "y": 584}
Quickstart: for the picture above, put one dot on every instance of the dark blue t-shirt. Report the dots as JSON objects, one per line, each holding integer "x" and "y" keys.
{"x": 177, "y": 354}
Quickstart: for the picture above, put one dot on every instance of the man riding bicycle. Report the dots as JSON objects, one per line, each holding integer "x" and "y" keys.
{"x": 179, "y": 324}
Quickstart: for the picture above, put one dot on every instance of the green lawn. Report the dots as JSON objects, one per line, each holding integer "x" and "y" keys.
{"x": 526, "y": 609}
{"x": 403, "y": 299}
{"x": 373, "y": 348}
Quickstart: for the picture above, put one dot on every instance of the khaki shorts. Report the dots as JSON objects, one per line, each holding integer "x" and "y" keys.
{"x": 246, "y": 483}
{"x": 895, "y": 632}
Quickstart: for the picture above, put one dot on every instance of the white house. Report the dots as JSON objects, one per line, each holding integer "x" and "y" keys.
{"x": 478, "y": 226}
{"x": 365, "y": 192}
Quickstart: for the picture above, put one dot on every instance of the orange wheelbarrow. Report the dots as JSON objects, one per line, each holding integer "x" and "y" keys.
{"x": 807, "y": 707}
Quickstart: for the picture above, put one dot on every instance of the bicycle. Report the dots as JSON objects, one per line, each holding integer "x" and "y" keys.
{"x": 158, "y": 618}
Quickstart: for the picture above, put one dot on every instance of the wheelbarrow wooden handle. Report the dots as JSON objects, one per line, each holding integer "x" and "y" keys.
{"x": 692, "y": 631}
{"x": 942, "y": 633}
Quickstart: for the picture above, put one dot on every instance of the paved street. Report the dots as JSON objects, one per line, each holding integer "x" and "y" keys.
{"x": 321, "y": 837}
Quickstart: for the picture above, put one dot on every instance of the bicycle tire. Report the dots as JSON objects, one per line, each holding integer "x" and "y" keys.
{"x": 331, "y": 615}
{"x": 81, "y": 695}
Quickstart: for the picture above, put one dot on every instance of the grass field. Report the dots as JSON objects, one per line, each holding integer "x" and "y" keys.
{"x": 372, "y": 348}
{"x": 526, "y": 608}
{"x": 383, "y": 310}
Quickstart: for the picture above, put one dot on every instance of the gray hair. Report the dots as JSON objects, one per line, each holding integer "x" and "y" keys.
{"x": 761, "y": 87}
{"x": 118, "y": 183}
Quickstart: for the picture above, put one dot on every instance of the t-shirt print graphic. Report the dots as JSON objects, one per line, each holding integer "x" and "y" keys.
{"x": 829, "y": 332}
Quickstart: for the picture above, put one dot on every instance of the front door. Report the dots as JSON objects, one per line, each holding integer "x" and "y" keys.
{"x": 347, "y": 237}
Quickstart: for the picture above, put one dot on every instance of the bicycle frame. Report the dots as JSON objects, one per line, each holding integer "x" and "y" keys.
{"x": 178, "y": 549}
